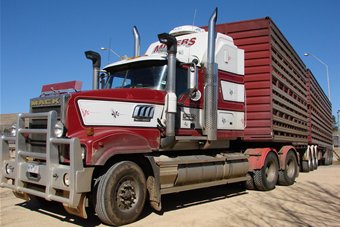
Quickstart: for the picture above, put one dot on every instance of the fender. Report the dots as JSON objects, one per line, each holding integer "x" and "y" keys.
{"x": 257, "y": 156}
{"x": 283, "y": 154}
{"x": 123, "y": 142}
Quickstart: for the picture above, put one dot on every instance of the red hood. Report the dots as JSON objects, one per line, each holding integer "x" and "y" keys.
{"x": 123, "y": 94}
{"x": 137, "y": 95}
{"x": 144, "y": 139}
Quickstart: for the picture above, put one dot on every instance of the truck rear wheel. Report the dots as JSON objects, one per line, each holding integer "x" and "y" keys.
{"x": 305, "y": 165}
{"x": 288, "y": 175}
{"x": 121, "y": 194}
{"x": 265, "y": 179}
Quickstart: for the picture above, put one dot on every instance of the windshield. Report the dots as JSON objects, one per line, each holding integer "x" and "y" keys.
{"x": 146, "y": 74}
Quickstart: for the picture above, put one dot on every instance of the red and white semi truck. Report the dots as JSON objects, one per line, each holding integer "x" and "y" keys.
{"x": 199, "y": 109}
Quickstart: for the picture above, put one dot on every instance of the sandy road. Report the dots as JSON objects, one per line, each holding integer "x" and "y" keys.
{"x": 314, "y": 200}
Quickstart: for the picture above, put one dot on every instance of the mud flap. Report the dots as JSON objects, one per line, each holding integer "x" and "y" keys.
{"x": 80, "y": 210}
{"x": 154, "y": 194}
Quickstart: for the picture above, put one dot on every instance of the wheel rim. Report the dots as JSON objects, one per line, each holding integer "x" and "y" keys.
{"x": 127, "y": 194}
{"x": 270, "y": 171}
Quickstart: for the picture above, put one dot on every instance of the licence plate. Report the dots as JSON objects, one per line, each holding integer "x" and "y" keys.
{"x": 33, "y": 168}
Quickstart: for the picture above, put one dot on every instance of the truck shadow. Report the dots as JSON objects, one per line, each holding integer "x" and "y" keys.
{"x": 170, "y": 202}
{"x": 303, "y": 204}
{"x": 185, "y": 199}
{"x": 57, "y": 211}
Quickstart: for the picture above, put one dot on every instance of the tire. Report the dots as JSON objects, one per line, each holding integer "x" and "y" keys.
{"x": 331, "y": 157}
{"x": 249, "y": 184}
{"x": 312, "y": 164}
{"x": 121, "y": 194}
{"x": 328, "y": 157}
{"x": 316, "y": 163}
{"x": 266, "y": 178}
{"x": 305, "y": 166}
{"x": 288, "y": 175}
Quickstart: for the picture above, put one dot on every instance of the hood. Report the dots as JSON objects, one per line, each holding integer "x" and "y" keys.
{"x": 139, "y": 95}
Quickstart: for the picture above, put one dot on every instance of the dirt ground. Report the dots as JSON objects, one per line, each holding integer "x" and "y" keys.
{"x": 314, "y": 200}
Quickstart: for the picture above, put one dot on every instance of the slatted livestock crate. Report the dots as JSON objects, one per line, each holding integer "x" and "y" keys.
{"x": 275, "y": 83}
{"x": 319, "y": 115}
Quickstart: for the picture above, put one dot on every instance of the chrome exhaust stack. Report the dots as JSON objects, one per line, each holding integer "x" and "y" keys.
{"x": 136, "y": 41}
{"x": 171, "y": 98}
{"x": 210, "y": 86}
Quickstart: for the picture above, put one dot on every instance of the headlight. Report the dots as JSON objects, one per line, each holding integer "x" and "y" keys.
{"x": 59, "y": 129}
{"x": 9, "y": 169}
{"x": 66, "y": 179}
{"x": 83, "y": 152}
{"x": 13, "y": 130}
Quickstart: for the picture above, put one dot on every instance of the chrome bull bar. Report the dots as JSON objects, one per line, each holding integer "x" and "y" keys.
{"x": 42, "y": 174}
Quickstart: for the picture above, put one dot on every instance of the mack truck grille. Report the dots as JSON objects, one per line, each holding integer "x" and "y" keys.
{"x": 37, "y": 142}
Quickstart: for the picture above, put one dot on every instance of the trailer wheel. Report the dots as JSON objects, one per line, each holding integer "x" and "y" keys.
{"x": 328, "y": 158}
{"x": 265, "y": 179}
{"x": 316, "y": 163}
{"x": 288, "y": 175}
{"x": 249, "y": 184}
{"x": 307, "y": 165}
{"x": 313, "y": 164}
{"x": 331, "y": 157}
{"x": 121, "y": 194}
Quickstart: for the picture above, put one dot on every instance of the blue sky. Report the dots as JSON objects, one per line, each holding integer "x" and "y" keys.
{"x": 42, "y": 41}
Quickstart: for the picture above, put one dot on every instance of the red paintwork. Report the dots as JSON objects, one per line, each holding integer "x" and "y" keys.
{"x": 273, "y": 68}
{"x": 283, "y": 154}
{"x": 257, "y": 156}
{"x": 74, "y": 85}
{"x": 319, "y": 125}
{"x": 253, "y": 37}
{"x": 227, "y": 105}
{"x": 138, "y": 95}
{"x": 108, "y": 141}
{"x": 266, "y": 86}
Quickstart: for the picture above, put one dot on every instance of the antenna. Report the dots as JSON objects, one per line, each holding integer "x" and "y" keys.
{"x": 193, "y": 21}
{"x": 108, "y": 54}
{"x": 193, "y": 24}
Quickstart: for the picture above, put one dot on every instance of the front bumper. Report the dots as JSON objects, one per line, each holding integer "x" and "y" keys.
{"x": 42, "y": 174}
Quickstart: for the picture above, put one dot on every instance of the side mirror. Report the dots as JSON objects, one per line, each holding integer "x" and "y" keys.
{"x": 192, "y": 75}
{"x": 194, "y": 93}
{"x": 102, "y": 80}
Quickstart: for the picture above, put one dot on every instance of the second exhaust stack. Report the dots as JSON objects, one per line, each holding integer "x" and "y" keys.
{"x": 210, "y": 96}
{"x": 136, "y": 41}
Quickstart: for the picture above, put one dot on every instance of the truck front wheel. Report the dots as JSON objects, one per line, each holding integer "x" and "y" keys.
{"x": 265, "y": 179}
{"x": 121, "y": 194}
